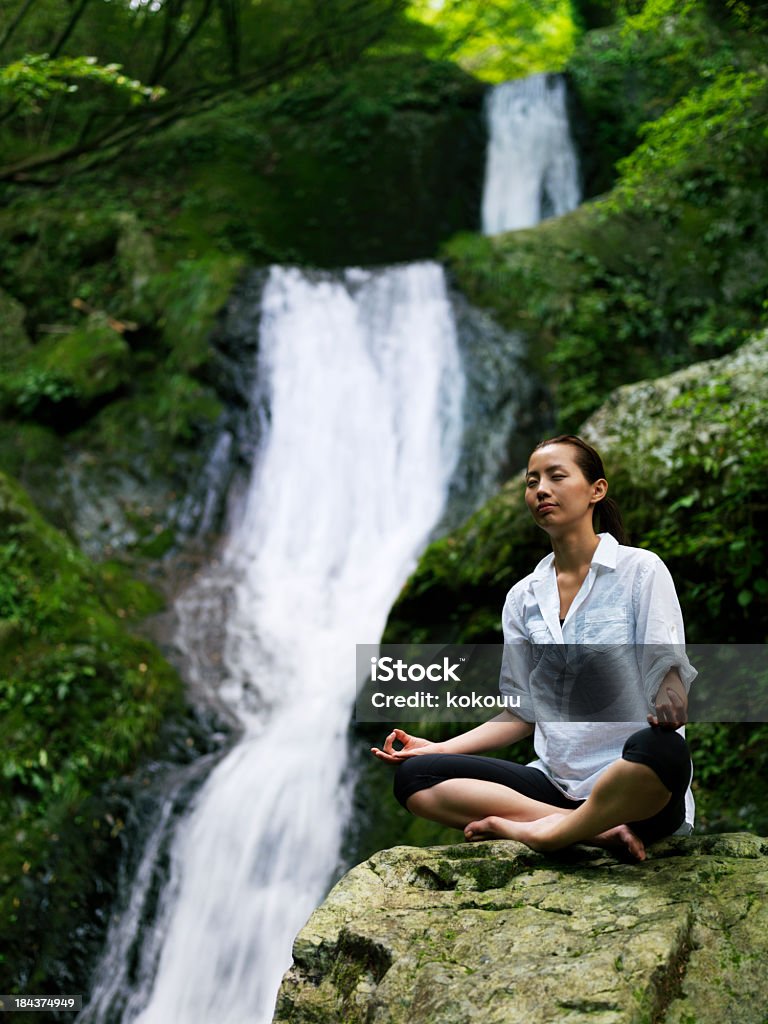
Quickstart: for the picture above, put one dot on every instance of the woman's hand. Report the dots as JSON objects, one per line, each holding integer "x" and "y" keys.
{"x": 412, "y": 746}
{"x": 671, "y": 704}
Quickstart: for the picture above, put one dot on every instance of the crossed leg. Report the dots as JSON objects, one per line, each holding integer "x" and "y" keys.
{"x": 627, "y": 791}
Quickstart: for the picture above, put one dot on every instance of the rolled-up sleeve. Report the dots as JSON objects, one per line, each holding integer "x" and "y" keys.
{"x": 660, "y": 633}
{"x": 516, "y": 663}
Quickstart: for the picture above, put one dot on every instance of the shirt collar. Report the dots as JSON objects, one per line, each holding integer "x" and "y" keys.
{"x": 605, "y": 556}
{"x": 606, "y": 551}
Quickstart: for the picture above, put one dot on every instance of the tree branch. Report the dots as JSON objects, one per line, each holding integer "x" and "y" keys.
{"x": 68, "y": 28}
{"x": 15, "y": 23}
{"x": 128, "y": 126}
{"x": 164, "y": 68}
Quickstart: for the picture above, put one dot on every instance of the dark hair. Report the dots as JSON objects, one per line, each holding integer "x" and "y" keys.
{"x": 606, "y": 516}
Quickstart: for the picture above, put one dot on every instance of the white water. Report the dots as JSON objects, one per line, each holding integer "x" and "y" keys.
{"x": 531, "y": 167}
{"x": 362, "y": 379}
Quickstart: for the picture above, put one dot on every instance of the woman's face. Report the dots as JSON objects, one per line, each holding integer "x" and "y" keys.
{"x": 557, "y": 493}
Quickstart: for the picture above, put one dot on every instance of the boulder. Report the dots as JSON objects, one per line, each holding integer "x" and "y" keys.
{"x": 494, "y": 932}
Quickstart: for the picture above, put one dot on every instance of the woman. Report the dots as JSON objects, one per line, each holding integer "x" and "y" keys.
{"x": 609, "y": 783}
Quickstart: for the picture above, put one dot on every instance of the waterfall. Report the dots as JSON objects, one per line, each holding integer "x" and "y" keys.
{"x": 358, "y": 404}
{"x": 361, "y": 384}
{"x": 531, "y": 167}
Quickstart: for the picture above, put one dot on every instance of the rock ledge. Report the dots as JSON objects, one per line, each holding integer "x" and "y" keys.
{"x": 493, "y": 932}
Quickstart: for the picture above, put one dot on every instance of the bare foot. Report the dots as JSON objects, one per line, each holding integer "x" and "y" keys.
{"x": 541, "y": 834}
{"x": 535, "y": 834}
{"x": 620, "y": 838}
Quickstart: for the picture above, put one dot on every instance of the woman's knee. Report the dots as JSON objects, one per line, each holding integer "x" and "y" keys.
{"x": 663, "y": 750}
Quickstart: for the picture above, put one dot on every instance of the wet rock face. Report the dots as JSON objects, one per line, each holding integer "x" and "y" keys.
{"x": 493, "y": 932}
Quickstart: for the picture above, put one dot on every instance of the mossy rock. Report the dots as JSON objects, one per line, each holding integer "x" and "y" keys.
{"x": 685, "y": 459}
{"x": 94, "y": 360}
{"x": 494, "y": 933}
{"x": 375, "y": 164}
{"x": 190, "y": 297}
{"x": 137, "y": 262}
{"x": 83, "y": 700}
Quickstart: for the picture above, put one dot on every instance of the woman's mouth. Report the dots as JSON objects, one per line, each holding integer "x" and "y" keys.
{"x": 544, "y": 507}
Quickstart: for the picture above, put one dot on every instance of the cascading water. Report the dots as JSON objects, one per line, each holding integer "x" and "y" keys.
{"x": 362, "y": 379}
{"x": 531, "y": 166}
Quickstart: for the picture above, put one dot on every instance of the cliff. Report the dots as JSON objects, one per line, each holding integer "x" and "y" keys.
{"x": 493, "y": 932}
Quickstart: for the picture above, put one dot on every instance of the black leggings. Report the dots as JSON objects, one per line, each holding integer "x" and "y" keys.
{"x": 663, "y": 750}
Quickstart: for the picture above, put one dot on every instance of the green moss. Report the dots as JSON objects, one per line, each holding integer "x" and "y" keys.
{"x": 14, "y": 343}
{"x": 82, "y": 700}
{"x": 29, "y": 452}
{"x": 607, "y": 296}
{"x": 59, "y": 249}
{"x": 189, "y": 297}
{"x": 373, "y": 165}
{"x": 93, "y": 360}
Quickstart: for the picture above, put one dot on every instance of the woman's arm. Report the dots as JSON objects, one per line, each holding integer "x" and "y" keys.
{"x": 660, "y": 645}
{"x": 498, "y": 732}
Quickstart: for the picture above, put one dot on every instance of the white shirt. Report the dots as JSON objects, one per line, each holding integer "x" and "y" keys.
{"x": 626, "y": 607}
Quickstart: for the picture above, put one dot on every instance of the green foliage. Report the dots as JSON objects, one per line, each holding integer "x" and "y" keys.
{"x": 633, "y": 71}
{"x": 728, "y": 116}
{"x": 590, "y": 14}
{"x": 730, "y": 762}
{"x": 81, "y": 698}
{"x": 34, "y": 79}
{"x": 86, "y": 364}
{"x": 189, "y": 54}
{"x": 60, "y": 249}
{"x": 669, "y": 267}
{"x": 33, "y": 387}
{"x": 190, "y": 296}
{"x": 499, "y": 40}
{"x": 346, "y": 168}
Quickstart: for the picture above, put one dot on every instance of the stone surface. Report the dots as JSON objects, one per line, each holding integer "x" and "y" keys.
{"x": 493, "y": 932}
{"x": 653, "y": 424}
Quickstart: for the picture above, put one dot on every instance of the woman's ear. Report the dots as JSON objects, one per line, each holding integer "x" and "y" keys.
{"x": 599, "y": 490}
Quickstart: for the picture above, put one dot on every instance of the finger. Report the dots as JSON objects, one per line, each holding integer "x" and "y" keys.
{"x": 389, "y": 741}
{"x": 666, "y": 712}
{"x": 387, "y": 758}
{"x": 675, "y": 699}
{"x": 663, "y": 719}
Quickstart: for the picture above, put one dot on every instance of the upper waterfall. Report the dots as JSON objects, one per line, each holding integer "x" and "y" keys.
{"x": 531, "y": 167}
